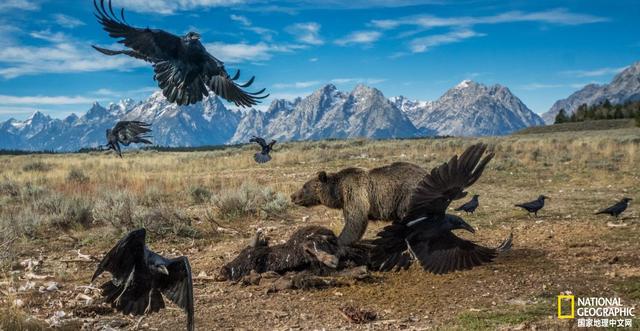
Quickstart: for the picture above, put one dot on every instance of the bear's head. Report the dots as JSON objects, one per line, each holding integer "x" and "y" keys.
{"x": 320, "y": 190}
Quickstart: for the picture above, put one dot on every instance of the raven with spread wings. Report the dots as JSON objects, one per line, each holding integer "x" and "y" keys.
{"x": 185, "y": 71}
{"x": 140, "y": 277}
{"x": 263, "y": 156}
{"x": 126, "y": 133}
{"x": 425, "y": 233}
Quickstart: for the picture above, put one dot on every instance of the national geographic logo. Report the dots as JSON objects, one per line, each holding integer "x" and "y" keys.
{"x": 595, "y": 312}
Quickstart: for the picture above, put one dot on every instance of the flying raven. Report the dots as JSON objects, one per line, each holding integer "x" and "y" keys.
{"x": 185, "y": 71}
{"x": 470, "y": 206}
{"x": 616, "y": 209}
{"x": 128, "y": 132}
{"x": 263, "y": 156}
{"x": 425, "y": 233}
{"x": 140, "y": 277}
{"x": 533, "y": 206}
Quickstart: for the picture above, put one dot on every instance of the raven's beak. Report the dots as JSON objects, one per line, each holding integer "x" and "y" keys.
{"x": 195, "y": 36}
{"x": 466, "y": 226}
{"x": 163, "y": 270}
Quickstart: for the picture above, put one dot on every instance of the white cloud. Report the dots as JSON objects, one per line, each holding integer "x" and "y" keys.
{"x": 17, "y": 110}
{"x": 266, "y": 34}
{"x": 44, "y": 100}
{"x": 47, "y": 35}
{"x": 67, "y": 21}
{"x": 167, "y": 7}
{"x": 359, "y": 37}
{"x": 6, "y": 5}
{"x": 308, "y": 33}
{"x": 241, "y": 19}
{"x": 371, "y": 81}
{"x": 424, "y": 44}
{"x": 594, "y": 72}
{"x": 296, "y": 85}
{"x": 541, "y": 86}
{"x": 558, "y": 16}
{"x": 107, "y": 92}
{"x": 61, "y": 55}
{"x": 243, "y": 52}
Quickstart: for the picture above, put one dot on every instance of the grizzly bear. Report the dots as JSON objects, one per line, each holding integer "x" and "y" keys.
{"x": 377, "y": 194}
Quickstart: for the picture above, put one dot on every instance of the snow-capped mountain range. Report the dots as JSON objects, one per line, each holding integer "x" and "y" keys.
{"x": 624, "y": 87}
{"x": 469, "y": 109}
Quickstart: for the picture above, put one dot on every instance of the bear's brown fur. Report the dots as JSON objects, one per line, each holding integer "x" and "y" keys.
{"x": 377, "y": 194}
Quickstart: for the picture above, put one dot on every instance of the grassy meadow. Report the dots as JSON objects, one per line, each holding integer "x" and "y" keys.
{"x": 55, "y": 210}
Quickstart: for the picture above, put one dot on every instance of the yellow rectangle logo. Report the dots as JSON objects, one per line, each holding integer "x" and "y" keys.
{"x": 570, "y": 298}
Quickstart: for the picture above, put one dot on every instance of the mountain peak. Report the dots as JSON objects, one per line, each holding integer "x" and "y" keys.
{"x": 36, "y": 114}
{"x": 466, "y": 83}
{"x": 625, "y": 86}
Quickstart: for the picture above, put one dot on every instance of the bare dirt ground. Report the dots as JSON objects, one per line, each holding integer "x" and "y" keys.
{"x": 566, "y": 248}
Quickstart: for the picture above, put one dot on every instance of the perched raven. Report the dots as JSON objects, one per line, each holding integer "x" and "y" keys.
{"x": 533, "y": 206}
{"x": 425, "y": 233}
{"x": 263, "y": 156}
{"x": 185, "y": 71}
{"x": 616, "y": 209}
{"x": 470, "y": 206}
{"x": 128, "y": 132}
{"x": 140, "y": 277}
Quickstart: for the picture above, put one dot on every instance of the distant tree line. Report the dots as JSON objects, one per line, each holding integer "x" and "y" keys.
{"x": 22, "y": 152}
{"x": 602, "y": 111}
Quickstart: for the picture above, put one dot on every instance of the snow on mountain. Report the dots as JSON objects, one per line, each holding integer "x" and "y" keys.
{"x": 467, "y": 109}
{"x": 471, "y": 109}
{"x": 329, "y": 113}
{"x": 624, "y": 87}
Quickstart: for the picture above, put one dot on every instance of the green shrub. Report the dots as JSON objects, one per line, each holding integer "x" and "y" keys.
{"x": 37, "y": 166}
{"x": 250, "y": 200}
{"x": 77, "y": 176}
{"x": 9, "y": 188}
{"x": 200, "y": 194}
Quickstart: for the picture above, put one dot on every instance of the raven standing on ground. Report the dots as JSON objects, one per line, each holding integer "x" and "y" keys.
{"x": 140, "y": 277}
{"x": 128, "y": 132}
{"x": 469, "y": 207}
{"x": 185, "y": 71}
{"x": 533, "y": 206}
{"x": 263, "y": 156}
{"x": 616, "y": 209}
{"x": 426, "y": 232}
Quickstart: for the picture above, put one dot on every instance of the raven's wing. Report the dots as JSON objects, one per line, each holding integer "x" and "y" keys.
{"x": 121, "y": 259}
{"x": 428, "y": 203}
{"x": 465, "y": 206}
{"x": 225, "y": 86}
{"x": 152, "y": 44}
{"x": 447, "y": 183}
{"x": 613, "y": 209}
{"x": 259, "y": 141}
{"x": 130, "y": 286}
{"x": 529, "y": 205}
{"x": 128, "y": 132}
{"x": 178, "y": 287}
{"x": 449, "y": 253}
{"x": 262, "y": 158}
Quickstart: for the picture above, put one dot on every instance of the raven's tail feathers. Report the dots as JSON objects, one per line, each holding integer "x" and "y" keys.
{"x": 262, "y": 158}
{"x": 391, "y": 249}
{"x": 506, "y": 245}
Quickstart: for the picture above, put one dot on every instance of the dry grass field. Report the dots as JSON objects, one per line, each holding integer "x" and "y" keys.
{"x": 208, "y": 204}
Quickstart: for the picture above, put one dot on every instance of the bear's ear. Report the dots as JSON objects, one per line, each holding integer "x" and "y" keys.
{"x": 322, "y": 176}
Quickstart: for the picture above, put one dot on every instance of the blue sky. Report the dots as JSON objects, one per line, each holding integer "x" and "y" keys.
{"x": 541, "y": 50}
